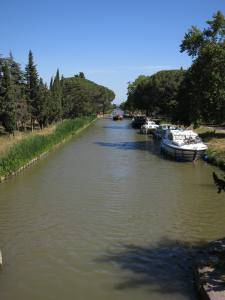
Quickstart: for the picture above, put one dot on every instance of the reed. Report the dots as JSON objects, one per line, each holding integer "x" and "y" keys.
{"x": 21, "y": 153}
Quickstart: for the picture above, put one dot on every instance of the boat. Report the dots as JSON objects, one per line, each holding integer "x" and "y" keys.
{"x": 160, "y": 131}
{"x": 117, "y": 117}
{"x": 138, "y": 121}
{"x": 183, "y": 145}
{"x": 117, "y": 114}
{"x": 149, "y": 127}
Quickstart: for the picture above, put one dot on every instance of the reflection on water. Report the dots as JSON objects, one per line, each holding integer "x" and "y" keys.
{"x": 105, "y": 217}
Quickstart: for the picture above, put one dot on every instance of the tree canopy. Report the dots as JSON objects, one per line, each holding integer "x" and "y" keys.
{"x": 203, "y": 90}
{"x": 25, "y": 100}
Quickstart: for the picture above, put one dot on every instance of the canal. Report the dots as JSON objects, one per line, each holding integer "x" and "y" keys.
{"x": 106, "y": 217}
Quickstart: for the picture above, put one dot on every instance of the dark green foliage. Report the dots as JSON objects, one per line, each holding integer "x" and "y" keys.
{"x": 42, "y": 104}
{"x": 56, "y": 98}
{"x": 7, "y": 101}
{"x": 32, "y": 86}
{"x": 29, "y": 101}
{"x": 156, "y": 94}
{"x": 84, "y": 97}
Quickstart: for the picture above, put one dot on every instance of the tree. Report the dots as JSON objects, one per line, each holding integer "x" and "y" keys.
{"x": 203, "y": 92}
{"x": 56, "y": 95}
{"x": 42, "y": 104}
{"x": 7, "y": 101}
{"x": 32, "y": 87}
{"x": 156, "y": 94}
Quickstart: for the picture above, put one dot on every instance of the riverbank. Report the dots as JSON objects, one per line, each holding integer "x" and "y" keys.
{"x": 215, "y": 139}
{"x": 24, "y": 152}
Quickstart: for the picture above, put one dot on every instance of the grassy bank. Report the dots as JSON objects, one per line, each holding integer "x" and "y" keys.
{"x": 215, "y": 139}
{"x": 24, "y": 151}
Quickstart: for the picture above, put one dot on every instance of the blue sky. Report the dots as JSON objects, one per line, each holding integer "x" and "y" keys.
{"x": 112, "y": 42}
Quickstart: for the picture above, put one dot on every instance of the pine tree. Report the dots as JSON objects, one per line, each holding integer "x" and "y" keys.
{"x": 42, "y": 104}
{"x": 56, "y": 94}
{"x": 32, "y": 87}
{"x": 8, "y": 101}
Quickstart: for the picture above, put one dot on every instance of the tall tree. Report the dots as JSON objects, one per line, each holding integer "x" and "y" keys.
{"x": 42, "y": 104}
{"x": 7, "y": 101}
{"x": 32, "y": 87}
{"x": 56, "y": 94}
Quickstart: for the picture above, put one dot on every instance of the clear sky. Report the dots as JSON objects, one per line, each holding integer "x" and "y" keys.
{"x": 112, "y": 42}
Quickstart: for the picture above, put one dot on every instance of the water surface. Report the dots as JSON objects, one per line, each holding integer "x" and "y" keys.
{"x": 106, "y": 217}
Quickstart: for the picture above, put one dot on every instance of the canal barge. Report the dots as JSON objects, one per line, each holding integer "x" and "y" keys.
{"x": 183, "y": 145}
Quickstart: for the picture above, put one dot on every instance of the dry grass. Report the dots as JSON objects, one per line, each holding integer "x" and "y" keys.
{"x": 7, "y": 141}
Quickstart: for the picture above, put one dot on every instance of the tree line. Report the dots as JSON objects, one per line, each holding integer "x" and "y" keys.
{"x": 27, "y": 101}
{"x": 192, "y": 96}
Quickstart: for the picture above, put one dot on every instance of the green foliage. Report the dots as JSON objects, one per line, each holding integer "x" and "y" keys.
{"x": 29, "y": 101}
{"x": 32, "y": 85}
{"x": 56, "y": 98}
{"x": 24, "y": 151}
{"x": 203, "y": 90}
{"x": 84, "y": 97}
{"x": 7, "y": 101}
{"x": 155, "y": 94}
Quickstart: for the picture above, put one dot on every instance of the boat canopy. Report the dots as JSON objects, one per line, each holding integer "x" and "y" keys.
{"x": 179, "y": 136}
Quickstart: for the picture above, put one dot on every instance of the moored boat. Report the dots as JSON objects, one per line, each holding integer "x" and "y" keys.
{"x": 138, "y": 121}
{"x": 160, "y": 132}
{"x": 149, "y": 127}
{"x": 183, "y": 145}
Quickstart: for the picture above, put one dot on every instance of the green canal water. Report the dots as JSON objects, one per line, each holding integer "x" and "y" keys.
{"x": 106, "y": 217}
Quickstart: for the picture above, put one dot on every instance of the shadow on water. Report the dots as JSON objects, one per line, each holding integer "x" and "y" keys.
{"x": 147, "y": 145}
{"x": 150, "y": 146}
{"x": 117, "y": 127}
{"x": 165, "y": 268}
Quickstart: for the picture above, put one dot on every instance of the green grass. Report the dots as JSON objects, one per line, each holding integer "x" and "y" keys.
{"x": 215, "y": 140}
{"x": 24, "y": 151}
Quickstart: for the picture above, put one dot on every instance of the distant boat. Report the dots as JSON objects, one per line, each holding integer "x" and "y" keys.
{"x": 183, "y": 145}
{"x": 117, "y": 114}
{"x": 117, "y": 117}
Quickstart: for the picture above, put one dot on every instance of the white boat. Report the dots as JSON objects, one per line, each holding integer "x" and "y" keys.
{"x": 160, "y": 132}
{"x": 183, "y": 145}
{"x": 149, "y": 127}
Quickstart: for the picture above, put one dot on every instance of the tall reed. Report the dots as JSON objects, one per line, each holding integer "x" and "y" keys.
{"x": 24, "y": 151}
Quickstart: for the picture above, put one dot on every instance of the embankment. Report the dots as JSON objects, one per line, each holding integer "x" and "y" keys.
{"x": 215, "y": 140}
{"x": 29, "y": 150}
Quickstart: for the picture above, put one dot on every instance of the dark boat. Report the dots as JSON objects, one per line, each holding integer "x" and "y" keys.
{"x": 117, "y": 114}
{"x": 117, "y": 117}
{"x": 138, "y": 121}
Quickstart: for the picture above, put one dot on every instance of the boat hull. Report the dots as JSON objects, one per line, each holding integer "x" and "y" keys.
{"x": 117, "y": 118}
{"x": 147, "y": 130}
{"x": 181, "y": 154}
